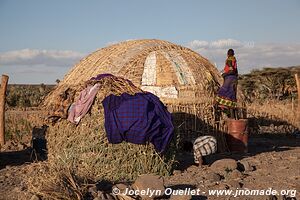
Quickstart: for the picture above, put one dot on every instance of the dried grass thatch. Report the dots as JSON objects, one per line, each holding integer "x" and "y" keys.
{"x": 58, "y": 182}
{"x": 175, "y": 66}
{"x": 85, "y": 147}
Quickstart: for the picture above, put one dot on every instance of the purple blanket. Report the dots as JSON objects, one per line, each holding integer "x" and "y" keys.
{"x": 100, "y": 76}
{"x": 137, "y": 119}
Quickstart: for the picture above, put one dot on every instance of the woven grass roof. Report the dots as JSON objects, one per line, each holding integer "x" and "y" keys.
{"x": 163, "y": 68}
{"x": 168, "y": 70}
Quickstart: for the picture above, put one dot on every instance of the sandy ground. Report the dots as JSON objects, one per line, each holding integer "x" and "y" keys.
{"x": 275, "y": 160}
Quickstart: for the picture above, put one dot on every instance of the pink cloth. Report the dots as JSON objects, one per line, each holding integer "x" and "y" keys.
{"x": 83, "y": 104}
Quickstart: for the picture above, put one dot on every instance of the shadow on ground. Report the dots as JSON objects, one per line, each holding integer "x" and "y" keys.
{"x": 37, "y": 151}
{"x": 186, "y": 124}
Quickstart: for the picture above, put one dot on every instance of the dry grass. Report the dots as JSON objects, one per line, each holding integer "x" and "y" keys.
{"x": 19, "y": 124}
{"x": 85, "y": 147}
{"x": 83, "y": 150}
{"x": 81, "y": 155}
{"x": 56, "y": 182}
{"x": 126, "y": 59}
{"x": 276, "y": 110}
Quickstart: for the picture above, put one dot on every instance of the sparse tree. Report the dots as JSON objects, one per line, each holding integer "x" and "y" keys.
{"x": 57, "y": 81}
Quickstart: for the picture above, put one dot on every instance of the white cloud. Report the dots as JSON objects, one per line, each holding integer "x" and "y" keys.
{"x": 225, "y": 43}
{"x": 37, "y": 66}
{"x": 31, "y": 65}
{"x": 198, "y": 44}
{"x": 32, "y": 57}
{"x": 250, "y": 55}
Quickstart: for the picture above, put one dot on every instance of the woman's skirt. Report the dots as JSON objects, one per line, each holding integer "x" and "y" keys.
{"x": 227, "y": 93}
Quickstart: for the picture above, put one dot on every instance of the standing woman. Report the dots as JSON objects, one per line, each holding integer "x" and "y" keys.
{"x": 226, "y": 97}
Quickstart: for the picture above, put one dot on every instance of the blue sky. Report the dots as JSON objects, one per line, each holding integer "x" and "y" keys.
{"x": 41, "y": 40}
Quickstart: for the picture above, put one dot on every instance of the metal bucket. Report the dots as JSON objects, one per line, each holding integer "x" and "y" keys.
{"x": 237, "y": 136}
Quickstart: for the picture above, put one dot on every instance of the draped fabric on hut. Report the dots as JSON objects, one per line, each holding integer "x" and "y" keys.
{"x": 137, "y": 118}
{"x": 99, "y": 144}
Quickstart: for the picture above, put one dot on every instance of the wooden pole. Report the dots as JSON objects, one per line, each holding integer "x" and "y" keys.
{"x": 298, "y": 90}
{"x": 298, "y": 87}
{"x": 297, "y": 77}
{"x": 2, "y": 108}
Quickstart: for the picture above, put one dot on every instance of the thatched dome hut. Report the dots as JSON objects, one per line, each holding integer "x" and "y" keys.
{"x": 184, "y": 80}
{"x": 169, "y": 71}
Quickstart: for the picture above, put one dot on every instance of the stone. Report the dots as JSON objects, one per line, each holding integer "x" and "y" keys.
{"x": 245, "y": 166}
{"x": 235, "y": 174}
{"x": 213, "y": 177}
{"x": 176, "y": 172}
{"x": 224, "y": 165}
{"x": 149, "y": 182}
{"x": 121, "y": 189}
{"x": 181, "y": 197}
{"x": 222, "y": 186}
{"x": 192, "y": 168}
{"x": 234, "y": 184}
{"x": 35, "y": 197}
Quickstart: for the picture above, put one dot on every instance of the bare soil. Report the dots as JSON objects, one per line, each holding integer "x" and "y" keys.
{"x": 275, "y": 160}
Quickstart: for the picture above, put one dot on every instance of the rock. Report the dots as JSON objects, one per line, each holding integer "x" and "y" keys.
{"x": 8, "y": 167}
{"x": 222, "y": 186}
{"x": 213, "y": 177}
{"x": 122, "y": 189}
{"x": 35, "y": 197}
{"x": 234, "y": 184}
{"x": 149, "y": 182}
{"x": 192, "y": 168}
{"x": 181, "y": 197}
{"x": 235, "y": 174}
{"x": 245, "y": 166}
{"x": 224, "y": 165}
{"x": 176, "y": 172}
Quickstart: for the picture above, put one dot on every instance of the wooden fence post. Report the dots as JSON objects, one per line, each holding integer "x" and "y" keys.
{"x": 2, "y": 108}
{"x": 298, "y": 90}
{"x": 298, "y": 86}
